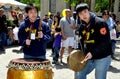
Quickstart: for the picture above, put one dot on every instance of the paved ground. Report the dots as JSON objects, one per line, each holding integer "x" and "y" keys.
{"x": 60, "y": 71}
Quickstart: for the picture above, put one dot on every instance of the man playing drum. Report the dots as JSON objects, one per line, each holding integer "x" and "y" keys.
{"x": 96, "y": 43}
{"x": 34, "y": 34}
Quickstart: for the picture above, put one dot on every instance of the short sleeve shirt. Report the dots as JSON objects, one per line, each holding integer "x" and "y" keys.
{"x": 66, "y": 25}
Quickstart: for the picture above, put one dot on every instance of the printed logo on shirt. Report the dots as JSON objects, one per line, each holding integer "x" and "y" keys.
{"x": 27, "y": 29}
{"x": 92, "y": 31}
{"x": 84, "y": 32}
{"x": 103, "y": 31}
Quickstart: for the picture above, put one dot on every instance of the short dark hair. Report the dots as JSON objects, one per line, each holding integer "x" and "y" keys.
{"x": 58, "y": 29}
{"x": 105, "y": 12}
{"x": 114, "y": 16}
{"x": 82, "y": 6}
{"x": 30, "y": 7}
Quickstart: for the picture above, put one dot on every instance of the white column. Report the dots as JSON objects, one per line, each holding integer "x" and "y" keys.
{"x": 44, "y": 7}
{"x": 60, "y": 5}
{"x": 116, "y": 9}
{"x": 92, "y": 5}
{"x": 116, "y": 6}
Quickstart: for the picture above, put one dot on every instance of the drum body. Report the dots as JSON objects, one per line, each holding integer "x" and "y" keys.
{"x": 29, "y": 69}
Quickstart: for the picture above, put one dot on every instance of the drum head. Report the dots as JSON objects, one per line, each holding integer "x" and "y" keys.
{"x": 29, "y": 61}
{"x": 74, "y": 60}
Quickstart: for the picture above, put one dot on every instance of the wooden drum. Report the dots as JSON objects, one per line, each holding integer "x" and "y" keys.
{"x": 29, "y": 69}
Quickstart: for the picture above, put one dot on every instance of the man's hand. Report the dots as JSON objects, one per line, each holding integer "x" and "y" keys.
{"x": 40, "y": 34}
{"x": 72, "y": 26}
{"x": 87, "y": 57}
{"x": 28, "y": 42}
{"x": 64, "y": 37}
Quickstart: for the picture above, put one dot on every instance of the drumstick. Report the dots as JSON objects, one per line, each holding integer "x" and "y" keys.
{"x": 87, "y": 57}
{"x": 82, "y": 61}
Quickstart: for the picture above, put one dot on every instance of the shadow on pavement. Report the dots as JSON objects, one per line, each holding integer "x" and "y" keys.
{"x": 113, "y": 69}
{"x": 2, "y": 52}
{"x": 117, "y": 56}
{"x": 61, "y": 66}
{"x": 116, "y": 59}
{"x": 11, "y": 46}
{"x": 16, "y": 51}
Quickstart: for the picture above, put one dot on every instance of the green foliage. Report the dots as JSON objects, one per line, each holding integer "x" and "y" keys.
{"x": 72, "y": 2}
{"x": 101, "y": 5}
{"x": 66, "y": 0}
{"x": 36, "y": 2}
{"x": 9, "y": 22}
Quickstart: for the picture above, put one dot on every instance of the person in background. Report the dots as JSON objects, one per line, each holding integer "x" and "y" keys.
{"x": 45, "y": 19}
{"x": 20, "y": 18}
{"x": 108, "y": 19}
{"x": 15, "y": 21}
{"x": 118, "y": 28}
{"x": 111, "y": 25}
{"x": 56, "y": 45}
{"x": 15, "y": 32}
{"x": 96, "y": 43}
{"x": 67, "y": 25}
{"x": 50, "y": 20}
{"x": 34, "y": 34}
{"x": 3, "y": 29}
{"x": 54, "y": 25}
{"x": 59, "y": 15}
{"x": 15, "y": 27}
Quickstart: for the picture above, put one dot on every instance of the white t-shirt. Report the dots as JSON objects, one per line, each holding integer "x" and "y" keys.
{"x": 15, "y": 32}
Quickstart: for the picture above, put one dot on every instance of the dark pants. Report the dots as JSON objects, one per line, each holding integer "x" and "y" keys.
{"x": 2, "y": 39}
{"x": 113, "y": 47}
{"x": 56, "y": 53}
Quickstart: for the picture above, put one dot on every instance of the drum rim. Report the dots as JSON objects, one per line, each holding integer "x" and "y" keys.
{"x": 72, "y": 66}
{"x": 29, "y": 66}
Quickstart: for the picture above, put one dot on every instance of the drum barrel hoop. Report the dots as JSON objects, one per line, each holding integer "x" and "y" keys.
{"x": 29, "y": 66}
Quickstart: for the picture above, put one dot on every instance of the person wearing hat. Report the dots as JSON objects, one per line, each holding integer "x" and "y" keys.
{"x": 67, "y": 25}
{"x": 96, "y": 43}
{"x": 3, "y": 29}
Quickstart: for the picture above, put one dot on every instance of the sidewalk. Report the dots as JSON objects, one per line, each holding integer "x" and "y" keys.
{"x": 60, "y": 71}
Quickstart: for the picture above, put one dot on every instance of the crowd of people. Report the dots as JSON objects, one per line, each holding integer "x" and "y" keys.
{"x": 34, "y": 34}
{"x": 9, "y": 29}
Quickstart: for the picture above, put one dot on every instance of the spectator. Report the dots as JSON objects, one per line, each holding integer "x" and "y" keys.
{"x": 67, "y": 25}
{"x": 118, "y": 28}
{"x": 20, "y": 18}
{"x": 3, "y": 29}
{"x": 56, "y": 45}
{"x": 55, "y": 24}
{"x": 50, "y": 20}
{"x": 111, "y": 25}
{"x": 45, "y": 19}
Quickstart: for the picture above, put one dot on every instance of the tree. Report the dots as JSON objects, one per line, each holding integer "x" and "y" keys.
{"x": 99, "y": 6}
{"x": 104, "y": 5}
{"x": 36, "y": 2}
{"x": 74, "y": 2}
